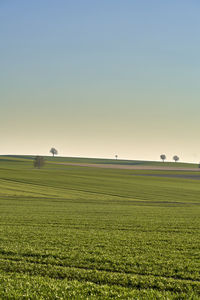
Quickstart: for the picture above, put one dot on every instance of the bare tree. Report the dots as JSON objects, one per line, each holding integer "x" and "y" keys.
{"x": 39, "y": 162}
{"x": 163, "y": 157}
{"x": 53, "y": 151}
{"x": 175, "y": 158}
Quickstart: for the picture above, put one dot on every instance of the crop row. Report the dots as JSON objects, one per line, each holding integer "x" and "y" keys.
{"x": 102, "y": 277}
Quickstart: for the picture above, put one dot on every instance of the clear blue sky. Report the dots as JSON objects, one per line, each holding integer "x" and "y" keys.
{"x": 99, "y": 78}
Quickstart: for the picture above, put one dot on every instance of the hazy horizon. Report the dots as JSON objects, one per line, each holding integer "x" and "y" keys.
{"x": 168, "y": 159}
{"x": 95, "y": 79}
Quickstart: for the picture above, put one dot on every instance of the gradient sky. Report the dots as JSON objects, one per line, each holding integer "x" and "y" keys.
{"x": 99, "y": 78}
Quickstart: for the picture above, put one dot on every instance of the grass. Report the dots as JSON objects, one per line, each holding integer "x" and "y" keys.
{"x": 70, "y": 232}
{"x": 79, "y": 160}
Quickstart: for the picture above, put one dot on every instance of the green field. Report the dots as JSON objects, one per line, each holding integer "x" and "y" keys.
{"x": 71, "y": 232}
{"x": 80, "y": 160}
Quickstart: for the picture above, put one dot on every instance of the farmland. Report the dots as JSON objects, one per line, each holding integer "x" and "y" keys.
{"x": 72, "y": 232}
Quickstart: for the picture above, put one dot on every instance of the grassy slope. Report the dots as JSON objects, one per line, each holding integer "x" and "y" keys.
{"x": 102, "y": 161}
{"x": 83, "y": 232}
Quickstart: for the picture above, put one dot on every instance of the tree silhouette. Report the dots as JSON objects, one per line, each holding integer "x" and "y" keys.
{"x": 53, "y": 151}
{"x": 175, "y": 158}
{"x": 163, "y": 157}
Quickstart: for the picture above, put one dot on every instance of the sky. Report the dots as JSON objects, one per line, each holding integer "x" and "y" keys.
{"x": 99, "y": 78}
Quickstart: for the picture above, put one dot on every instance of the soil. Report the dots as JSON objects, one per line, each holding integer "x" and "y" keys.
{"x": 132, "y": 167}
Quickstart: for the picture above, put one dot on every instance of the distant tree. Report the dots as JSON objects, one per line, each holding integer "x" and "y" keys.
{"x": 116, "y": 156}
{"x": 53, "y": 151}
{"x": 163, "y": 157}
{"x": 39, "y": 162}
{"x": 175, "y": 158}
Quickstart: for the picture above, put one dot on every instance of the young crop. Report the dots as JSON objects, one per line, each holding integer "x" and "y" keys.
{"x": 86, "y": 233}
